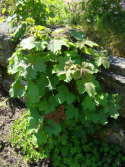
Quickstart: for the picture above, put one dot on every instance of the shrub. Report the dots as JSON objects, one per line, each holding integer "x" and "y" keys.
{"x": 64, "y": 97}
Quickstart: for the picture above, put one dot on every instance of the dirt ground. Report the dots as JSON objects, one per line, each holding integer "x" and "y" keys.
{"x": 10, "y": 110}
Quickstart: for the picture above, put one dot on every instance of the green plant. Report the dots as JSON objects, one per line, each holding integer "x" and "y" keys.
{"x": 74, "y": 8}
{"x": 25, "y": 14}
{"x": 72, "y": 152}
{"x": 60, "y": 85}
{"x": 103, "y": 13}
{"x": 22, "y": 139}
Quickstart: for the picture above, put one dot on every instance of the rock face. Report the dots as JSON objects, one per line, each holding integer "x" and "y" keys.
{"x": 113, "y": 79}
{"x": 7, "y": 47}
{"x": 116, "y": 134}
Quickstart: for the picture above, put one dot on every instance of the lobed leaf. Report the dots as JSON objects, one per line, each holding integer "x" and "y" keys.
{"x": 78, "y": 35}
{"x": 30, "y": 65}
{"x": 90, "y": 89}
{"x": 84, "y": 71}
{"x": 87, "y": 42}
{"x": 55, "y": 45}
{"x": 40, "y": 137}
{"x": 80, "y": 86}
{"x": 48, "y": 106}
{"x": 71, "y": 112}
{"x": 17, "y": 90}
{"x": 33, "y": 92}
{"x": 88, "y": 103}
{"x": 64, "y": 95}
{"x": 52, "y": 128}
{"x": 102, "y": 60}
{"x": 42, "y": 82}
{"x": 27, "y": 43}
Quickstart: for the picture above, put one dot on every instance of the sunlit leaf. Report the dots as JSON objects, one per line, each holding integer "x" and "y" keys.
{"x": 90, "y": 89}
{"x": 78, "y": 35}
{"x": 55, "y": 45}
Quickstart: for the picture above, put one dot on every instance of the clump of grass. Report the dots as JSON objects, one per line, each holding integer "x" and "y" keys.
{"x": 106, "y": 38}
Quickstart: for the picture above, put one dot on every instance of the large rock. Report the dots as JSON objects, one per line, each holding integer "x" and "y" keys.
{"x": 7, "y": 47}
{"x": 116, "y": 134}
{"x": 113, "y": 79}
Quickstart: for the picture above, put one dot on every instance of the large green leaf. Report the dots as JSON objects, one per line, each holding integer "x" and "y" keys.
{"x": 27, "y": 43}
{"x": 40, "y": 45}
{"x": 13, "y": 66}
{"x": 88, "y": 103}
{"x": 34, "y": 113}
{"x": 33, "y": 92}
{"x": 69, "y": 75}
{"x": 100, "y": 117}
{"x": 84, "y": 72}
{"x": 66, "y": 75}
{"x": 101, "y": 99}
{"x": 48, "y": 106}
{"x": 78, "y": 35}
{"x": 53, "y": 81}
{"x": 34, "y": 120}
{"x": 60, "y": 66}
{"x": 112, "y": 108}
{"x": 55, "y": 45}
{"x": 39, "y": 65}
{"x": 87, "y": 42}
{"x": 17, "y": 90}
{"x": 52, "y": 128}
{"x": 71, "y": 111}
{"x": 42, "y": 82}
{"x": 64, "y": 95}
{"x": 33, "y": 124}
{"x": 67, "y": 71}
{"x": 96, "y": 83}
{"x": 95, "y": 117}
{"x": 72, "y": 54}
{"x": 90, "y": 89}
{"x": 27, "y": 70}
{"x": 102, "y": 60}
{"x": 40, "y": 137}
{"x": 31, "y": 65}
{"x": 80, "y": 86}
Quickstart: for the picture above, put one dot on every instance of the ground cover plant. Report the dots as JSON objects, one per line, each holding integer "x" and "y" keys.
{"x": 60, "y": 86}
